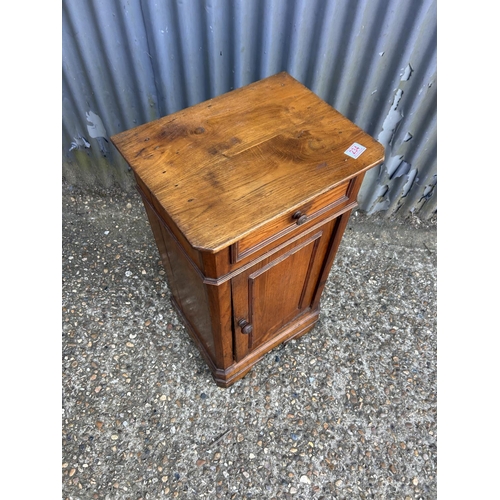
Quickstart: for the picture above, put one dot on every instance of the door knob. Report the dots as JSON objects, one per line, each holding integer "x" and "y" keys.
{"x": 245, "y": 326}
{"x": 299, "y": 217}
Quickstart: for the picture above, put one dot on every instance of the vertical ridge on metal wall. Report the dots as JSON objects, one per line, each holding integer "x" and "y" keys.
{"x": 127, "y": 62}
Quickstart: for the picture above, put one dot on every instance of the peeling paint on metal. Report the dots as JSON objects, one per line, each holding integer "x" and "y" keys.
{"x": 405, "y": 76}
{"x": 391, "y": 121}
{"x": 97, "y": 131}
{"x": 79, "y": 142}
{"x": 403, "y": 169}
{"x": 95, "y": 125}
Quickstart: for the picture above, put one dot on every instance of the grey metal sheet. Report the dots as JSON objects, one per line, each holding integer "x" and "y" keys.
{"x": 130, "y": 62}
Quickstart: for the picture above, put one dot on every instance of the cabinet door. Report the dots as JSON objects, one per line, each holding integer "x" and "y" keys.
{"x": 274, "y": 293}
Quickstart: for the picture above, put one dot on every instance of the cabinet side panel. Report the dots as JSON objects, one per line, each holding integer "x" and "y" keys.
{"x": 336, "y": 238}
{"x": 157, "y": 232}
{"x": 340, "y": 225}
{"x": 161, "y": 215}
{"x": 186, "y": 285}
{"x": 191, "y": 294}
{"x": 159, "y": 236}
{"x": 160, "y": 243}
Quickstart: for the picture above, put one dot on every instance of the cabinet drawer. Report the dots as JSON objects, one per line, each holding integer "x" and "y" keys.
{"x": 294, "y": 220}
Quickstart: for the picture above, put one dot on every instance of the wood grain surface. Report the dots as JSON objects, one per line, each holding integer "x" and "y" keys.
{"x": 225, "y": 167}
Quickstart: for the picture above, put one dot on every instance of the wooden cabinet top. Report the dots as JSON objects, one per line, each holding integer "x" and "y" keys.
{"x": 225, "y": 167}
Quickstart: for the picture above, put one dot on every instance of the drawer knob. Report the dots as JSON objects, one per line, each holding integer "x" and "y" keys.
{"x": 299, "y": 217}
{"x": 245, "y": 326}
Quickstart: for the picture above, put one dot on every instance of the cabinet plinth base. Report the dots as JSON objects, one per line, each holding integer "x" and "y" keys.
{"x": 226, "y": 378}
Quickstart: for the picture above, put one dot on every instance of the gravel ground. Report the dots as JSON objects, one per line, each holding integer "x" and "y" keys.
{"x": 346, "y": 412}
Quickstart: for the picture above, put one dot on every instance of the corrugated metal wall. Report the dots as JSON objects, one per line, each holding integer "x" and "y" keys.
{"x": 129, "y": 62}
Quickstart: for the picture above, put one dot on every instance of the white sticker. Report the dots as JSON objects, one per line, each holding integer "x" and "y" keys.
{"x": 355, "y": 150}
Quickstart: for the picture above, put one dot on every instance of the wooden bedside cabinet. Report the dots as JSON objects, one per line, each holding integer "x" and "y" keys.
{"x": 248, "y": 195}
